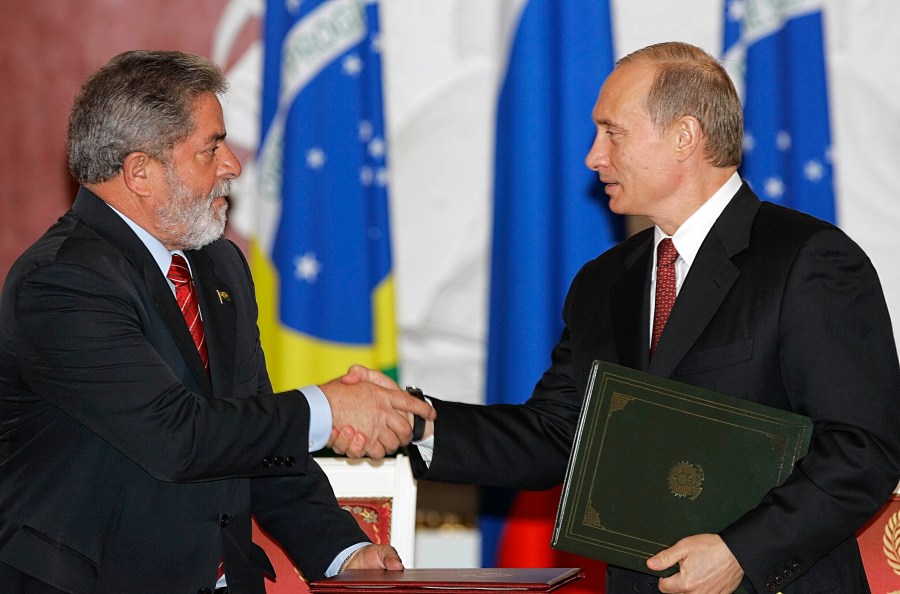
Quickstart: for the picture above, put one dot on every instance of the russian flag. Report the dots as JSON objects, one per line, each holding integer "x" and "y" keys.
{"x": 550, "y": 217}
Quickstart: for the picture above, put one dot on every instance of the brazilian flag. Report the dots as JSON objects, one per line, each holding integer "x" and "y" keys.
{"x": 775, "y": 54}
{"x": 321, "y": 257}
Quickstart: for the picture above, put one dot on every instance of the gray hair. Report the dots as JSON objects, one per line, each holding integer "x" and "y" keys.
{"x": 139, "y": 101}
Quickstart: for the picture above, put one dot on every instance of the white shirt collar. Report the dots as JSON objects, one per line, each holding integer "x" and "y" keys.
{"x": 161, "y": 255}
{"x": 693, "y": 231}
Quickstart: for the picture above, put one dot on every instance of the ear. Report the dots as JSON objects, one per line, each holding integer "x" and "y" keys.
{"x": 689, "y": 136}
{"x": 136, "y": 173}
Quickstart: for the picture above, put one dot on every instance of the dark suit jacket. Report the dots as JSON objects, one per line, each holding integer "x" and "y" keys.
{"x": 123, "y": 466}
{"x": 778, "y": 308}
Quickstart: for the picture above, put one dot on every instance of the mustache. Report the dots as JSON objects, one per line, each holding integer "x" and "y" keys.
{"x": 222, "y": 188}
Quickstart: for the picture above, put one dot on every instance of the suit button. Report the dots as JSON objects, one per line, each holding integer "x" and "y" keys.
{"x": 787, "y": 573}
{"x": 290, "y": 460}
{"x": 279, "y": 460}
{"x": 204, "y": 591}
{"x": 795, "y": 567}
{"x": 267, "y": 462}
{"x": 779, "y": 580}
{"x": 770, "y": 587}
{"x": 223, "y": 521}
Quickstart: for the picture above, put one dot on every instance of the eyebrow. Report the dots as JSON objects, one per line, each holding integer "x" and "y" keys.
{"x": 608, "y": 123}
{"x": 216, "y": 137}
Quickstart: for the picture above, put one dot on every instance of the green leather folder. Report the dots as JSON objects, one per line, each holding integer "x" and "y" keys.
{"x": 655, "y": 460}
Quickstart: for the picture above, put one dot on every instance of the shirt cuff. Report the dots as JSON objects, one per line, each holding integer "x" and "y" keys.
{"x": 342, "y": 556}
{"x": 426, "y": 449}
{"x": 319, "y": 417}
{"x": 426, "y": 446}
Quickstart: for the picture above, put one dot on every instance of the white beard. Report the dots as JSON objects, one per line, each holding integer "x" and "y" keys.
{"x": 190, "y": 221}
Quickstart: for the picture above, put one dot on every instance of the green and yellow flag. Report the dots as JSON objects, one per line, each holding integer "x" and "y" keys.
{"x": 321, "y": 257}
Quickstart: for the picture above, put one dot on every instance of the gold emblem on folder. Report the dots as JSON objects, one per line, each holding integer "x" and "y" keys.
{"x": 686, "y": 480}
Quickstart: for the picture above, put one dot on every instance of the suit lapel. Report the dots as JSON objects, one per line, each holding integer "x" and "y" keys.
{"x": 704, "y": 289}
{"x": 707, "y": 284}
{"x": 630, "y": 302}
{"x": 218, "y": 307}
{"x": 91, "y": 209}
{"x": 174, "y": 320}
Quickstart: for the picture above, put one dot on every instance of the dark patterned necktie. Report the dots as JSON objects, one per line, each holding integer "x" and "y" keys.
{"x": 666, "y": 254}
{"x": 186, "y": 296}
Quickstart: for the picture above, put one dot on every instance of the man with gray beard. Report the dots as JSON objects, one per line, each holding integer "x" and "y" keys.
{"x": 138, "y": 427}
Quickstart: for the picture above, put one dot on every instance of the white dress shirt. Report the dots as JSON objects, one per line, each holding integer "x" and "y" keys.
{"x": 689, "y": 236}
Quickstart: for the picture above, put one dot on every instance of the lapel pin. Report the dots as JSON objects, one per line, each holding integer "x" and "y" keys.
{"x": 223, "y": 296}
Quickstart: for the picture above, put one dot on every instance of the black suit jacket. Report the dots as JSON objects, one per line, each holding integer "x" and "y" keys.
{"x": 123, "y": 466}
{"x": 778, "y": 308}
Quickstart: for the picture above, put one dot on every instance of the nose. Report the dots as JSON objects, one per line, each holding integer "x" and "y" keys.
{"x": 597, "y": 155}
{"x": 229, "y": 165}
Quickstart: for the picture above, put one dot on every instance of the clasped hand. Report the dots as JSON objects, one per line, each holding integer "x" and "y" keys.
{"x": 371, "y": 414}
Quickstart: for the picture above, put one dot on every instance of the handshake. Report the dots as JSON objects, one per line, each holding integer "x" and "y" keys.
{"x": 371, "y": 415}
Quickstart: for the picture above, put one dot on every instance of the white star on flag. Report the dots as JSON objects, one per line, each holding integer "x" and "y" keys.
{"x": 377, "y": 148}
{"x": 774, "y": 187}
{"x": 783, "y": 140}
{"x": 748, "y": 143}
{"x": 813, "y": 170}
{"x": 366, "y": 175}
{"x": 307, "y": 267}
{"x": 352, "y": 65}
{"x": 293, "y": 5}
{"x": 736, "y": 10}
{"x": 315, "y": 158}
{"x": 376, "y": 43}
{"x": 381, "y": 177}
{"x": 365, "y": 130}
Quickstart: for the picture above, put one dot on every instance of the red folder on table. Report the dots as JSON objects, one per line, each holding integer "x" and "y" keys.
{"x": 459, "y": 581}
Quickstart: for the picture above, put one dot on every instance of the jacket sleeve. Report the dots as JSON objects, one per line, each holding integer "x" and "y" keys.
{"x": 516, "y": 446}
{"x": 91, "y": 343}
{"x": 302, "y": 514}
{"x": 519, "y": 446}
{"x": 839, "y": 365}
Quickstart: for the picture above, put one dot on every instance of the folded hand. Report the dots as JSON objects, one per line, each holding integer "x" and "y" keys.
{"x": 375, "y": 556}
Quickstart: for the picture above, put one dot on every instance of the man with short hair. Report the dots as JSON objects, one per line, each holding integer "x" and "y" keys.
{"x": 138, "y": 428}
{"x": 771, "y": 305}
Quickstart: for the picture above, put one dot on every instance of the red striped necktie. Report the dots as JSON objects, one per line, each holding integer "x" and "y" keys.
{"x": 666, "y": 254}
{"x": 180, "y": 275}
